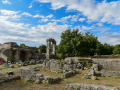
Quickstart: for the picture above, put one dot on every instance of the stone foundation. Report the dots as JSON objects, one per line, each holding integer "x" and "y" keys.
{"x": 82, "y": 86}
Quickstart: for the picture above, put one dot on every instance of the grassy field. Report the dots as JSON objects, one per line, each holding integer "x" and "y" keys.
{"x": 77, "y": 78}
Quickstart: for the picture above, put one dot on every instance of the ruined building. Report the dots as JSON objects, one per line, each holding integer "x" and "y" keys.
{"x": 10, "y": 51}
{"x": 50, "y": 55}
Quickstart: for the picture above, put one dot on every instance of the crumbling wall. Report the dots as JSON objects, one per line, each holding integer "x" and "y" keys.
{"x": 54, "y": 65}
{"x": 110, "y": 73}
{"x": 108, "y": 64}
{"x": 82, "y": 86}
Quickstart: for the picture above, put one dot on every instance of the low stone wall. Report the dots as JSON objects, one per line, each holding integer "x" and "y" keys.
{"x": 54, "y": 65}
{"x": 110, "y": 73}
{"x": 29, "y": 74}
{"x": 9, "y": 79}
{"x": 108, "y": 64}
{"x": 49, "y": 65}
{"x": 82, "y": 86}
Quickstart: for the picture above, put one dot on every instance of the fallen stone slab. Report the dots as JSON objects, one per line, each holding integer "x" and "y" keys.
{"x": 10, "y": 79}
{"x": 82, "y": 86}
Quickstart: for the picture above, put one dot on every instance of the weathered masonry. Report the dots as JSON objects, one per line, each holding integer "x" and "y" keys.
{"x": 50, "y": 55}
{"x": 10, "y": 51}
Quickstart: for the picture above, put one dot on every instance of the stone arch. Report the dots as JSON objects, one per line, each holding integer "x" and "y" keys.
{"x": 50, "y": 55}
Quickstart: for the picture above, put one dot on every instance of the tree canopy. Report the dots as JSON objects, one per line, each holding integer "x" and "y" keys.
{"x": 117, "y": 49}
{"x": 22, "y": 45}
{"x": 104, "y": 49}
{"x": 43, "y": 48}
{"x": 75, "y": 43}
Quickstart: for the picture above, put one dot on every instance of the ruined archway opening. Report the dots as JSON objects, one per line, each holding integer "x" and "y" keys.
{"x": 22, "y": 55}
{"x": 13, "y": 55}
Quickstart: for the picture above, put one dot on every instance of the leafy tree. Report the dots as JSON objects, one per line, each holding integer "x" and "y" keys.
{"x": 22, "y": 45}
{"x": 104, "y": 49}
{"x": 116, "y": 49}
{"x": 43, "y": 48}
{"x": 75, "y": 43}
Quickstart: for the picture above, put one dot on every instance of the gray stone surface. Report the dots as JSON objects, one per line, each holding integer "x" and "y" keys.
{"x": 48, "y": 79}
{"x": 108, "y": 64}
{"x": 11, "y": 66}
{"x": 92, "y": 72}
{"x": 94, "y": 78}
{"x": 109, "y": 73}
{"x": 85, "y": 76}
{"x": 56, "y": 79}
{"x": 82, "y": 86}
{"x": 67, "y": 74}
{"x": 37, "y": 81}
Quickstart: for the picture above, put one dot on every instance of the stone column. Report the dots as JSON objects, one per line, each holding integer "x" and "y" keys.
{"x": 54, "y": 48}
{"x": 40, "y": 51}
{"x": 48, "y": 49}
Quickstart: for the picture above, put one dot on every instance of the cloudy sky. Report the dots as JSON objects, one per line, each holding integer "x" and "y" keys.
{"x": 33, "y": 21}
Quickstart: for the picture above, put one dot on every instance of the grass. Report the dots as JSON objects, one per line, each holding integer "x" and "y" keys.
{"x": 77, "y": 78}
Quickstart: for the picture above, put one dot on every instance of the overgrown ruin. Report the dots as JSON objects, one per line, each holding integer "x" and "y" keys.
{"x": 50, "y": 55}
{"x": 10, "y": 51}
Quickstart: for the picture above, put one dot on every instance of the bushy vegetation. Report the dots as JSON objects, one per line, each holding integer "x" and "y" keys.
{"x": 74, "y": 43}
{"x": 117, "y": 49}
{"x": 86, "y": 62}
{"x": 43, "y": 48}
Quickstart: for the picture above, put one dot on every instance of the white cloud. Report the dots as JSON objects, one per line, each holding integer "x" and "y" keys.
{"x": 57, "y": 5}
{"x": 82, "y": 19}
{"x": 63, "y": 19}
{"x": 75, "y": 18}
{"x": 42, "y": 16}
{"x": 43, "y": 20}
{"x": 8, "y": 12}
{"x": 100, "y": 24}
{"x": 96, "y": 11}
{"x": 6, "y": 2}
{"x": 52, "y": 27}
{"x": 36, "y": 16}
{"x": 30, "y": 6}
{"x": 49, "y": 16}
{"x": 87, "y": 28}
{"x": 24, "y": 33}
{"x": 26, "y": 14}
{"x": 111, "y": 38}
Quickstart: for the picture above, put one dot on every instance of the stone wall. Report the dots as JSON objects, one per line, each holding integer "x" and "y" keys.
{"x": 29, "y": 74}
{"x": 4, "y": 46}
{"x": 82, "y": 86}
{"x": 108, "y": 64}
{"x": 51, "y": 65}
{"x": 54, "y": 65}
{"x": 110, "y": 73}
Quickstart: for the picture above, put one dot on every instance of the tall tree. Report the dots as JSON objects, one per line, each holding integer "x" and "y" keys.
{"x": 75, "y": 43}
{"x": 116, "y": 49}
{"x": 22, "y": 45}
{"x": 43, "y": 48}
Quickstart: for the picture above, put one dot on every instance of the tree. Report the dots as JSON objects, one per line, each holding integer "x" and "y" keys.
{"x": 116, "y": 49}
{"x": 22, "y": 45}
{"x": 43, "y": 48}
{"x": 75, "y": 43}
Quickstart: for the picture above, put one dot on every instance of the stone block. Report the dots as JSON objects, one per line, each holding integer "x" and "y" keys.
{"x": 67, "y": 74}
{"x": 37, "y": 81}
{"x": 92, "y": 72}
{"x": 85, "y": 76}
{"x": 94, "y": 78}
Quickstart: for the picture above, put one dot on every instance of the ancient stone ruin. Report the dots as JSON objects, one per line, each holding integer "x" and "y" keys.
{"x": 10, "y": 51}
{"x": 50, "y": 55}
